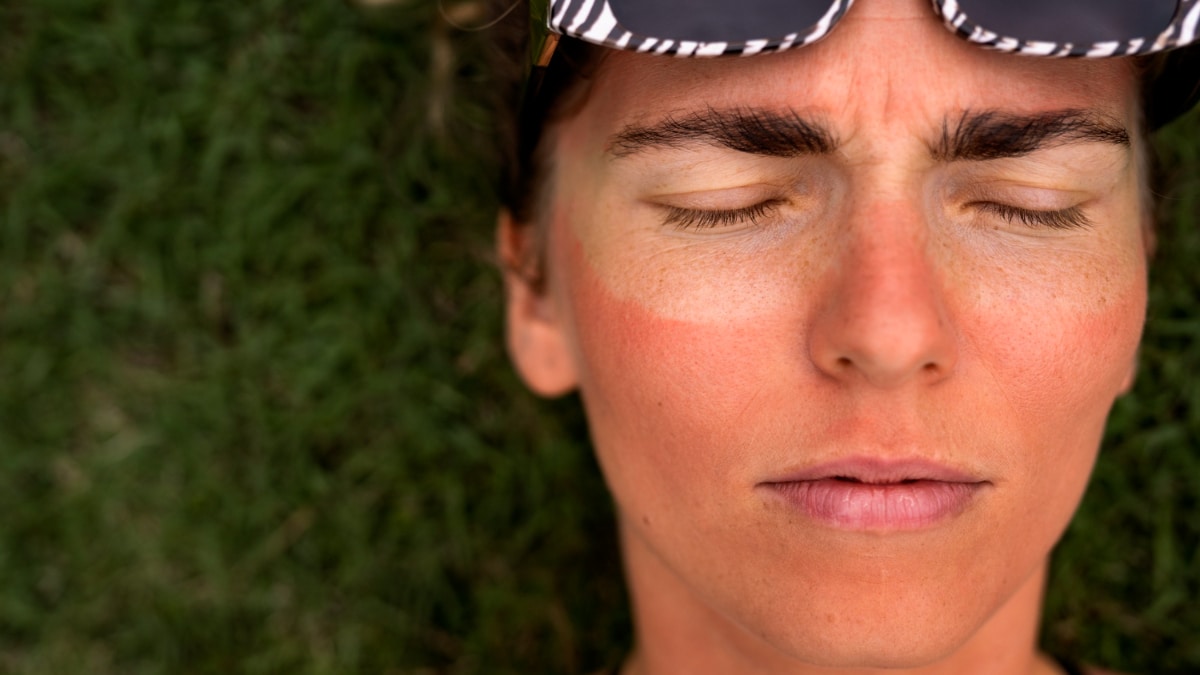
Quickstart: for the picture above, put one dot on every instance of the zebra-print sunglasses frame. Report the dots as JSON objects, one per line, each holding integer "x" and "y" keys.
{"x": 597, "y": 22}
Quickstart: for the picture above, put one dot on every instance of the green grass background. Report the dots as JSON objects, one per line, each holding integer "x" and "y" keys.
{"x": 254, "y": 412}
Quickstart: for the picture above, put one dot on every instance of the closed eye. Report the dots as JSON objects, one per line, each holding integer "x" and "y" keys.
{"x": 699, "y": 219}
{"x": 1071, "y": 218}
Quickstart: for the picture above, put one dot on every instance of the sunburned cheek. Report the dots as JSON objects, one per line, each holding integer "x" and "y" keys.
{"x": 1057, "y": 381}
{"x": 646, "y": 375}
{"x": 1060, "y": 366}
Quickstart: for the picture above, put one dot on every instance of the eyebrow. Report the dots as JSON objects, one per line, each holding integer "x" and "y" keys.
{"x": 994, "y": 135}
{"x": 754, "y": 131}
{"x": 974, "y": 136}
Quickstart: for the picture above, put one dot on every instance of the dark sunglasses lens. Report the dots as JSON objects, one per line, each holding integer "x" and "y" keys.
{"x": 1076, "y": 21}
{"x": 718, "y": 20}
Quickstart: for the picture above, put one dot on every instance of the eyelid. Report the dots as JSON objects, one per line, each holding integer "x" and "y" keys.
{"x": 715, "y": 197}
{"x": 1024, "y": 202}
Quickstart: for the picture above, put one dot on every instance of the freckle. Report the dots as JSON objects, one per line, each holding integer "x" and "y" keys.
{"x": 646, "y": 521}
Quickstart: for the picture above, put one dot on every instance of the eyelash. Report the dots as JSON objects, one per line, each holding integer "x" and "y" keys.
{"x": 1067, "y": 219}
{"x": 701, "y": 219}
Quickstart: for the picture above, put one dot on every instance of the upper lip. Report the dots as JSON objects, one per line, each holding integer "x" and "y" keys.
{"x": 879, "y": 471}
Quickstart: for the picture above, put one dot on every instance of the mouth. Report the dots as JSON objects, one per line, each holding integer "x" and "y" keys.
{"x": 879, "y": 496}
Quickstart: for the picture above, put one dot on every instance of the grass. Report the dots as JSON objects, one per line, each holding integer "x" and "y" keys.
{"x": 254, "y": 413}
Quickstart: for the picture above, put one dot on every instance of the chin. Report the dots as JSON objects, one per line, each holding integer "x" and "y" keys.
{"x": 899, "y": 642}
{"x": 840, "y": 601}
{"x": 905, "y": 630}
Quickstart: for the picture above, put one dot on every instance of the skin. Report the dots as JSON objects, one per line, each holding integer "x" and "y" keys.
{"x": 882, "y": 307}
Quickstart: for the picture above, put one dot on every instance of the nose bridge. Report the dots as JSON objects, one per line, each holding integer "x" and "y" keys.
{"x": 885, "y": 318}
{"x": 886, "y": 255}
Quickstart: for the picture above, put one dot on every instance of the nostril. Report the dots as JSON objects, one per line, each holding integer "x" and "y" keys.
{"x": 883, "y": 340}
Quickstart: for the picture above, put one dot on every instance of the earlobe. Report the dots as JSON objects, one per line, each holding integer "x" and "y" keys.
{"x": 535, "y": 330}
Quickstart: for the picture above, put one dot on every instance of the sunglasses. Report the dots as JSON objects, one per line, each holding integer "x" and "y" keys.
{"x": 1078, "y": 28}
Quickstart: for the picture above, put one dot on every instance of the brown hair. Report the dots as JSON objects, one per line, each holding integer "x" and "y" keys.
{"x": 525, "y": 113}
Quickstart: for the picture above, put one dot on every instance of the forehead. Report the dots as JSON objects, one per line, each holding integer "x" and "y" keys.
{"x": 889, "y": 65}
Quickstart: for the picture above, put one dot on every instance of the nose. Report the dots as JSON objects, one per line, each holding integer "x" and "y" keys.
{"x": 884, "y": 318}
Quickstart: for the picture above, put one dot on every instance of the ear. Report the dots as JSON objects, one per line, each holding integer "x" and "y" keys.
{"x": 535, "y": 330}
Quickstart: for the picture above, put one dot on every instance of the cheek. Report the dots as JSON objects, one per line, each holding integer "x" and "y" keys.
{"x": 680, "y": 345}
{"x": 1061, "y": 354}
{"x": 1057, "y": 362}
{"x": 650, "y": 379}
{"x": 1072, "y": 366}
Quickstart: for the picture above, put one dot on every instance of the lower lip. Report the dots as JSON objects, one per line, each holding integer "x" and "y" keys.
{"x": 849, "y": 505}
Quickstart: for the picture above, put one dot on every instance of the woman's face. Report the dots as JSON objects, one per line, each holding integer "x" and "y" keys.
{"x": 847, "y": 323}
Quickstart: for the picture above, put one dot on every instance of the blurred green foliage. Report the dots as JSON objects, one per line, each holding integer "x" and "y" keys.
{"x": 255, "y": 415}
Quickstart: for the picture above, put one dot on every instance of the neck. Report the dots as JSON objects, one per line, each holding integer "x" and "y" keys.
{"x": 678, "y": 632}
